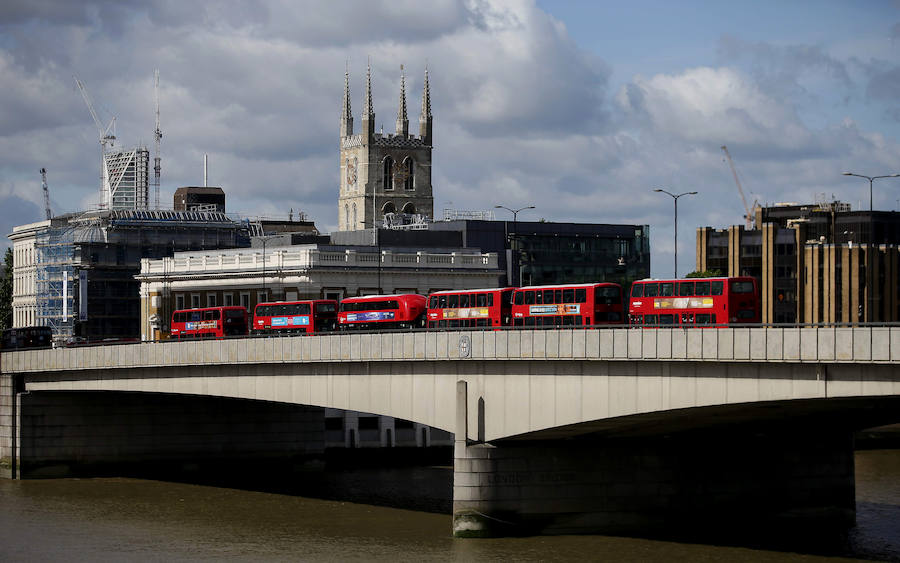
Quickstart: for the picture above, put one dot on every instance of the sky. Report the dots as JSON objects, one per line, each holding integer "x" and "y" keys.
{"x": 579, "y": 108}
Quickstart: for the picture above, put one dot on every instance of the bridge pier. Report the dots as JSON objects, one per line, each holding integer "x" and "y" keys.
{"x": 695, "y": 483}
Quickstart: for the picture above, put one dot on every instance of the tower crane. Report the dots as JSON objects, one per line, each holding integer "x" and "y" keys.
{"x": 46, "y": 193}
{"x": 107, "y": 137}
{"x": 157, "y": 168}
{"x": 749, "y": 217}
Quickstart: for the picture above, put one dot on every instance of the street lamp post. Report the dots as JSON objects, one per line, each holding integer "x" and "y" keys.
{"x": 512, "y": 239}
{"x": 870, "y": 283}
{"x": 675, "y": 198}
{"x": 377, "y": 246}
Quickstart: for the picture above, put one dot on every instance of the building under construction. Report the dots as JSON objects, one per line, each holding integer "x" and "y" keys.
{"x": 127, "y": 178}
{"x": 75, "y": 272}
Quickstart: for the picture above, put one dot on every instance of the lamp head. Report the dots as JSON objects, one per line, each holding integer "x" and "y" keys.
{"x": 657, "y": 190}
{"x": 693, "y": 193}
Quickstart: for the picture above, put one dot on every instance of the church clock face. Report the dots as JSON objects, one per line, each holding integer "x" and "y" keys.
{"x": 352, "y": 172}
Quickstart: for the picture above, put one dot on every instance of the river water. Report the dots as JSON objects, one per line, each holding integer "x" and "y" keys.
{"x": 118, "y": 519}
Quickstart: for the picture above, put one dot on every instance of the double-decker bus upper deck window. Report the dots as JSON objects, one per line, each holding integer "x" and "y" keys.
{"x": 432, "y": 303}
{"x": 568, "y": 296}
{"x": 442, "y": 302}
{"x": 481, "y": 300}
{"x": 608, "y": 295}
{"x": 538, "y": 297}
{"x": 580, "y": 295}
{"x": 651, "y": 290}
{"x": 529, "y": 298}
{"x": 741, "y": 287}
{"x": 701, "y": 288}
{"x": 505, "y": 298}
{"x": 211, "y": 315}
{"x": 717, "y": 287}
{"x": 557, "y": 295}
{"x": 490, "y": 302}
{"x": 453, "y": 301}
{"x": 519, "y": 298}
{"x": 325, "y": 308}
{"x": 637, "y": 290}
{"x": 686, "y": 289}
{"x": 548, "y": 297}
{"x": 464, "y": 300}
{"x": 667, "y": 289}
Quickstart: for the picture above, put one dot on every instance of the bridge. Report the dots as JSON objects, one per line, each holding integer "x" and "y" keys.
{"x": 557, "y": 431}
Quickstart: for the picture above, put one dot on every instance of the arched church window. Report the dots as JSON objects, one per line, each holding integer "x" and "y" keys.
{"x": 355, "y": 220}
{"x": 387, "y": 175}
{"x": 347, "y": 217}
{"x": 409, "y": 208}
{"x": 409, "y": 184}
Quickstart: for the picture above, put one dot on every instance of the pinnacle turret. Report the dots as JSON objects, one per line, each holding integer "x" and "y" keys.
{"x": 402, "y": 120}
{"x": 368, "y": 117}
{"x": 346, "y": 112}
{"x": 425, "y": 117}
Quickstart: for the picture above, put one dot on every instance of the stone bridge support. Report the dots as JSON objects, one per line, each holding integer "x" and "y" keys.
{"x": 731, "y": 478}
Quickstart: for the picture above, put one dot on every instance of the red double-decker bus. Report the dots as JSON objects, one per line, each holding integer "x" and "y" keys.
{"x": 695, "y": 301}
{"x": 469, "y": 308}
{"x": 584, "y": 304}
{"x": 211, "y": 322}
{"x": 306, "y": 317}
{"x": 378, "y": 312}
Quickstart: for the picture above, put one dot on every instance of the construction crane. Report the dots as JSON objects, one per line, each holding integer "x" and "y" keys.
{"x": 107, "y": 137}
{"x": 749, "y": 217}
{"x": 157, "y": 168}
{"x": 46, "y": 193}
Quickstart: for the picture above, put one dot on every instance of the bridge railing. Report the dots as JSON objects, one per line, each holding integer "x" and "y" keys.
{"x": 804, "y": 345}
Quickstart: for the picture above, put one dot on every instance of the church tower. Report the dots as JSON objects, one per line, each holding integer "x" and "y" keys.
{"x": 384, "y": 173}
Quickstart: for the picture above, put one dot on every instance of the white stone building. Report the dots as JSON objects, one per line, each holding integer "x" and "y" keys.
{"x": 248, "y": 276}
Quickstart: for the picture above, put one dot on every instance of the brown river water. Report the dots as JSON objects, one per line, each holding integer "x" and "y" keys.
{"x": 399, "y": 514}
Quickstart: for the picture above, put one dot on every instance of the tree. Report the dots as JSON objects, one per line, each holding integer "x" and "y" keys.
{"x": 6, "y": 291}
{"x": 705, "y": 274}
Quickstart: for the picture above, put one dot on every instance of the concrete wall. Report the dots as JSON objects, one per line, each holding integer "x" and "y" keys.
{"x": 63, "y": 432}
{"x": 7, "y": 427}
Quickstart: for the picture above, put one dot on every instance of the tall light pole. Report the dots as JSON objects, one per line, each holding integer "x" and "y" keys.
{"x": 870, "y": 283}
{"x": 675, "y": 198}
{"x": 515, "y": 213}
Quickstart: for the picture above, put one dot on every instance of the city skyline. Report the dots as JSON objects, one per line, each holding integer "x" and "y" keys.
{"x": 581, "y": 109}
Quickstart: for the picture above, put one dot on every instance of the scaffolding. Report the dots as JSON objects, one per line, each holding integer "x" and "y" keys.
{"x": 55, "y": 280}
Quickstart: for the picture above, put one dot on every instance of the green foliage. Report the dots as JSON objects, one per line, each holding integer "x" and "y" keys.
{"x": 705, "y": 274}
{"x": 6, "y": 291}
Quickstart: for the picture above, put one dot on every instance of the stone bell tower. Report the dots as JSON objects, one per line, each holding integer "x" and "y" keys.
{"x": 384, "y": 173}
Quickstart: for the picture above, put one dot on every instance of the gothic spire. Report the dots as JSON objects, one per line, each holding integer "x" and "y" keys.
{"x": 368, "y": 110}
{"x": 402, "y": 120}
{"x": 346, "y": 112}
{"x": 425, "y": 122}
{"x": 426, "y": 99}
{"x": 368, "y": 116}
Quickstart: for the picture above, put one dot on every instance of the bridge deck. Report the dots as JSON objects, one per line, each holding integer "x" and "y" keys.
{"x": 779, "y": 345}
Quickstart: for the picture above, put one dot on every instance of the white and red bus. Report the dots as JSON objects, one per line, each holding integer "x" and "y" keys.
{"x": 585, "y": 304}
{"x": 469, "y": 308}
{"x": 210, "y": 322}
{"x": 378, "y": 312}
{"x": 306, "y": 317}
{"x": 694, "y": 301}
